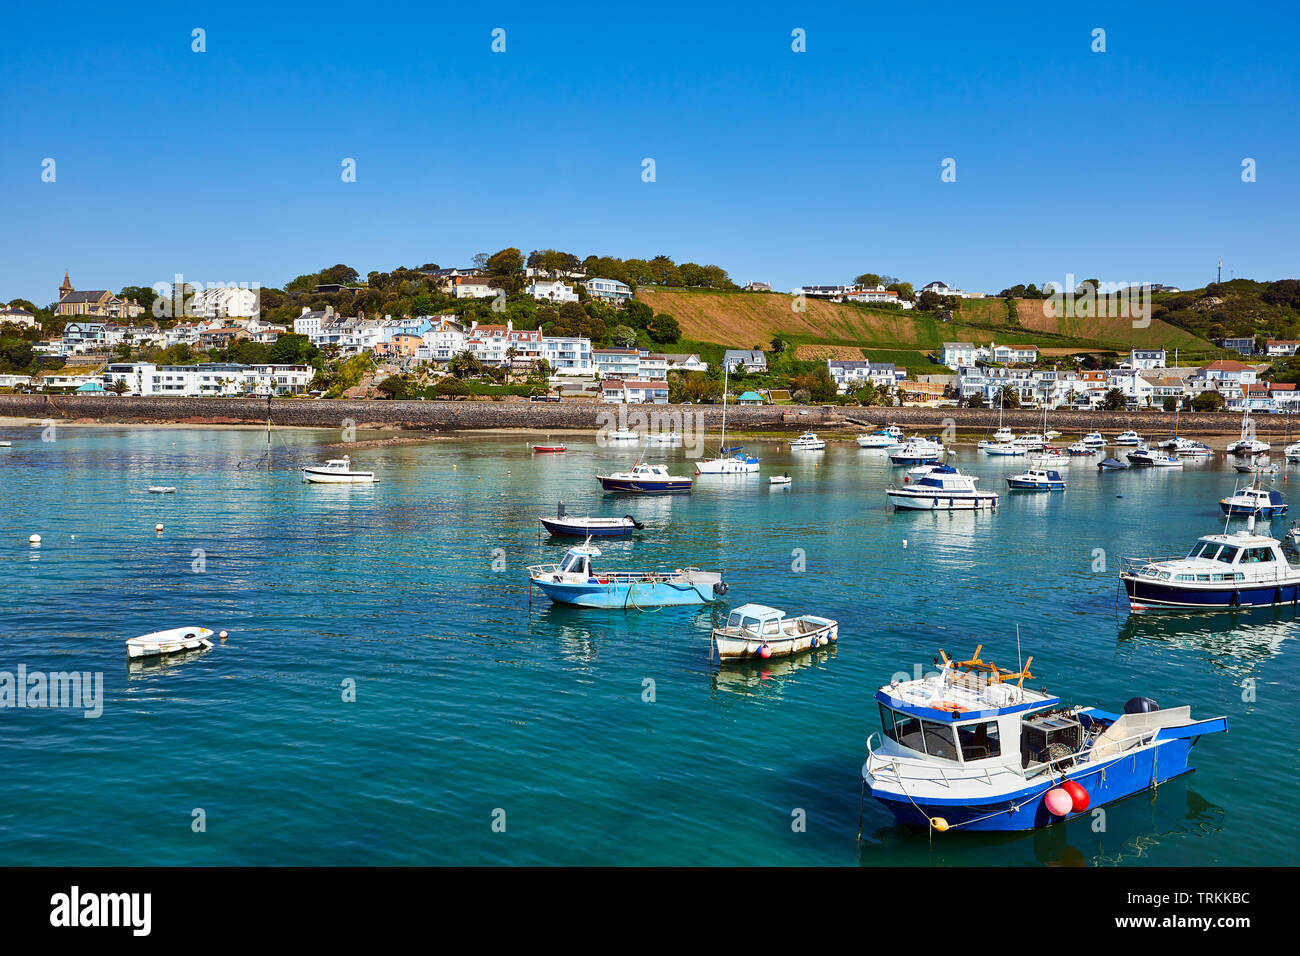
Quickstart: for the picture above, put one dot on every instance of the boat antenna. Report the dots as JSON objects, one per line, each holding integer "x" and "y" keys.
{"x": 1020, "y": 663}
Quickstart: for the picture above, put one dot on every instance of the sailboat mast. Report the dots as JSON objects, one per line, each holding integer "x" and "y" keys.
{"x": 726, "y": 372}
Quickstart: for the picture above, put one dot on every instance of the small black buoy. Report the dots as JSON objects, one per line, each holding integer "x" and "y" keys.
{"x": 1141, "y": 705}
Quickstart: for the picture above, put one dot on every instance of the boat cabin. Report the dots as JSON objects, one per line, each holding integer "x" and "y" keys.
{"x": 972, "y": 712}
{"x": 758, "y": 619}
{"x": 577, "y": 561}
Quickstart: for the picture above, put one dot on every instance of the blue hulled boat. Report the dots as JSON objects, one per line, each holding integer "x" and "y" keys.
{"x": 645, "y": 480}
{"x": 1254, "y": 501}
{"x": 1037, "y": 479}
{"x": 1222, "y": 572}
{"x": 575, "y": 581}
{"x": 971, "y": 748}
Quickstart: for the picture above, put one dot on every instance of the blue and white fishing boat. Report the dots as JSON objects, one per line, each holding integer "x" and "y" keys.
{"x": 1222, "y": 572}
{"x": 1037, "y": 479}
{"x": 1253, "y": 500}
{"x": 1145, "y": 457}
{"x": 645, "y": 480}
{"x": 1129, "y": 437}
{"x": 567, "y": 525}
{"x": 575, "y": 581}
{"x": 972, "y": 748}
{"x": 941, "y": 488}
{"x": 1079, "y": 448}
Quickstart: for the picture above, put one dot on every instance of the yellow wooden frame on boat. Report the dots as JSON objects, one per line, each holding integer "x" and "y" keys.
{"x": 996, "y": 675}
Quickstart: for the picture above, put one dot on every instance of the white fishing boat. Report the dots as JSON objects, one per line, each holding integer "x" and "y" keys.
{"x": 941, "y": 488}
{"x": 161, "y": 489}
{"x": 1094, "y": 440}
{"x": 645, "y": 480}
{"x": 664, "y": 439}
{"x": 1292, "y": 452}
{"x": 1031, "y": 441}
{"x": 173, "y": 641}
{"x": 919, "y": 451}
{"x": 729, "y": 461}
{"x": 808, "y": 441}
{"x": 779, "y": 480}
{"x": 337, "y": 471}
{"x": 1146, "y": 457}
{"x": 1257, "y": 466}
{"x": 1079, "y": 448}
{"x": 755, "y": 631}
{"x": 622, "y": 435}
{"x": 1049, "y": 457}
{"x": 878, "y": 439}
{"x": 1036, "y": 479}
{"x": 1129, "y": 437}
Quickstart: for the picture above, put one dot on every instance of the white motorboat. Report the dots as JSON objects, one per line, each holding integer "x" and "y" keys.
{"x": 1049, "y": 457}
{"x": 173, "y": 641}
{"x": 941, "y": 488}
{"x": 1146, "y": 457}
{"x": 1129, "y": 437}
{"x": 1005, "y": 449}
{"x": 6, "y": 444}
{"x": 1094, "y": 440}
{"x": 1079, "y": 448}
{"x": 779, "y": 480}
{"x": 918, "y": 451}
{"x": 808, "y": 441}
{"x": 756, "y": 631}
{"x": 337, "y": 471}
{"x": 1292, "y": 452}
{"x": 622, "y": 434}
{"x": 1257, "y": 466}
{"x": 1032, "y": 441}
{"x": 645, "y": 480}
{"x": 1051, "y": 435}
{"x": 1003, "y": 436}
{"x": 1036, "y": 479}
{"x": 664, "y": 439}
{"x": 161, "y": 489}
{"x": 878, "y": 439}
{"x": 1190, "y": 448}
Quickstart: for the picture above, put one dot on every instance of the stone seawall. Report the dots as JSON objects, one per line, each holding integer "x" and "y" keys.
{"x": 468, "y": 416}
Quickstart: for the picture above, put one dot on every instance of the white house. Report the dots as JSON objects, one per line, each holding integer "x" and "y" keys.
{"x": 940, "y": 288}
{"x": 473, "y": 287}
{"x": 16, "y": 316}
{"x": 617, "y": 363}
{"x": 633, "y": 392}
{"x": 853, "y": 373}
{"x": 1011, "y": 354}
{"x": 1143, "y": 359}
{"x": 610, "y": 290}
{"x": 752, "y": 360}
{"x": 444, "y": 340}
{"x": 1275, "y": 347}
{"x": 551, "y": 291}
{"x": 683, "y": 362}
{"x": 226, "y": 302}
{"x": 226, "y": 379}
{"x": 958, "y": 354}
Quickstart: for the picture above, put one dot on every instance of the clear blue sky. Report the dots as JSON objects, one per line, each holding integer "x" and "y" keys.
{"x": 782, "y": 167}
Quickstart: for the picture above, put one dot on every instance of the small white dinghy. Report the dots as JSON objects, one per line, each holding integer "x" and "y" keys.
{"x": 755, "y": 631}
{"x": 168, "y": 642}
{"x": 6, "y": 444}
{"x": 337, "y": 471}
{"x": 779, "y": 479}
{"x": 162, "y": 489}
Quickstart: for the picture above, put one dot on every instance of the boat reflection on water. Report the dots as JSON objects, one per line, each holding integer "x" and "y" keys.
{"x": 1123, "y": 833}
{"x": 1233, "y": 640}
{"x": 162, "y": 665}
{"x": 766, "y": 678}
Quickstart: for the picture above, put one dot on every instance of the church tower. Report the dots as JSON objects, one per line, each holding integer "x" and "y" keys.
{"x": 66, "y": 287}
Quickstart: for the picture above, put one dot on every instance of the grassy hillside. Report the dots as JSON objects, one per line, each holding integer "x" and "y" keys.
{"x": 836, "y": 330}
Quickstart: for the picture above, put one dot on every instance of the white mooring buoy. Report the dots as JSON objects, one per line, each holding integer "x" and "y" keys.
{"x": 158, "y": 528}
{"x": 904, "y": 544}
{"x": 35, "y": 539}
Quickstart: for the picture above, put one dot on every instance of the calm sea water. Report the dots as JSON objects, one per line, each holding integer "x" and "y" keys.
{"x": 469, "y": 702}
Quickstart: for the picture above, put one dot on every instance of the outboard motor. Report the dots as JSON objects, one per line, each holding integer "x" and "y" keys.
{"x": 721, "y": 588}
{"x": 636, "y": 524}
{"x": 559, "y": 510}
{"x": 1141, "y": 705}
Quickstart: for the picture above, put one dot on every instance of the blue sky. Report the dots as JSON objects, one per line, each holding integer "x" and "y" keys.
{"x": 782, "y": 167}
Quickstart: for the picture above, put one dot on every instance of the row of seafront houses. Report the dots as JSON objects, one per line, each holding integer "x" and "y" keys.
{"x": 1145, "y": 380}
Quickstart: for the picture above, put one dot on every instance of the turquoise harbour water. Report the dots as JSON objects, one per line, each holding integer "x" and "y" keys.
{"x": 469, "y": 702}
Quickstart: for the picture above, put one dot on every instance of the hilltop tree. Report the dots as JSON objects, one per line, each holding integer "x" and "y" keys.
{"x": 663, "y": 328}
{"x": 339, "y": 274}
{"x": 868, "y": 279}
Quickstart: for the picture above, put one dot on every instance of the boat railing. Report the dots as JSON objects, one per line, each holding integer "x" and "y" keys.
{"x": 935, "y": 772}
{"x": 617, "y": 577}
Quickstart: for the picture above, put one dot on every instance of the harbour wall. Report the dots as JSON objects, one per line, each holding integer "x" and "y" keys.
{"x": 453, "y": 416}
